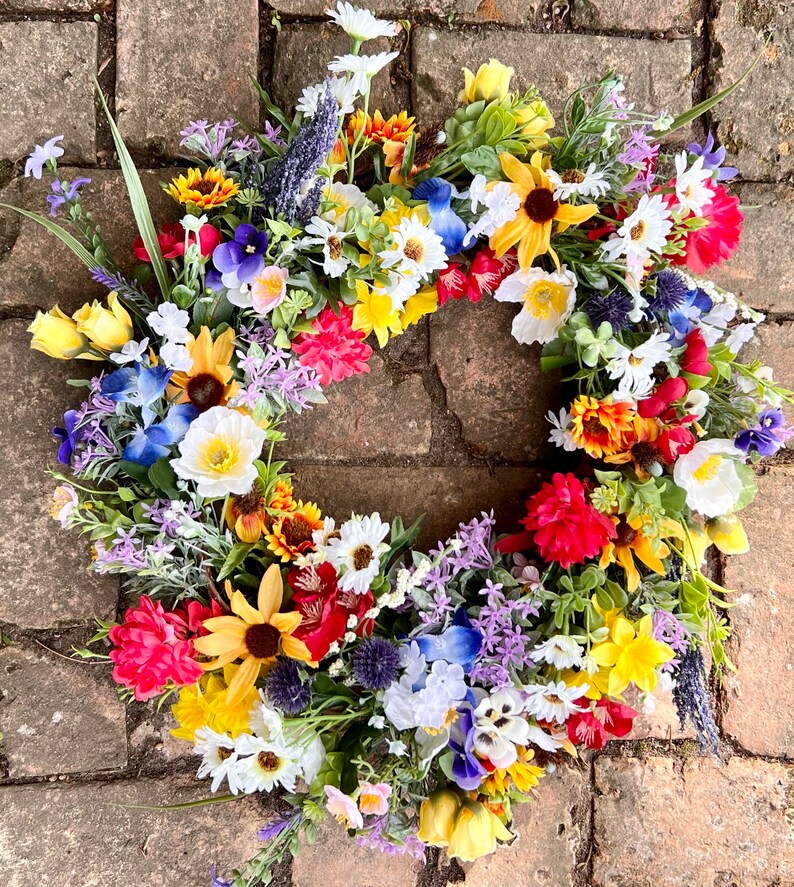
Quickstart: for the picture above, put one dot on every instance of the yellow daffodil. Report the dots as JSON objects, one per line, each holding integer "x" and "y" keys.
{"x": 531, "y": 228}
{"x": 633, "y": 655}
{"x": 490, "y": 83}
{"x": 254, "y": 635}
{"x": 206, "y": 190}
{"x": 374, "y": 312}
{"x": 521, "y": 776}
{"x": 437, "y": 817}
{"x": 108, "y": 329}
{"x": 728, "y": 534}
{"x": 206, "y": 704}
{"x": 209, "y": 382}
{"x": 475, "y": 832}
{"x": 597, "y": 683}
{"x": 55, "y": 333}
{"x": 422, "y": 303}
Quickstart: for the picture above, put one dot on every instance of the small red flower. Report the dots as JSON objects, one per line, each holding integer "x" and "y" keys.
{"x": 486, "y": 273}
{"x": 194, "y": 613}
{"x": 674, "y": 442}
{"x": 451, "y": 283}
{"x": 585, "y": 727}
{"x": 172, "y": 242}
{"x": 709, "y": 246}
{"x": 618, "y": 718}
{"x": 665, "y": 394}
{"x": 695, "y": 358}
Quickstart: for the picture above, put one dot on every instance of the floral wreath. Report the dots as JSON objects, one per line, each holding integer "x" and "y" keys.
{"x": 415, "y": 697}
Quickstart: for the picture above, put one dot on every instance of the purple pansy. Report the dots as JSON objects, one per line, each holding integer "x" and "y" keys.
{"x": 68, "y": 436}
{"x": 466, "y": 769}
{"x": 767, "y": 437}
{"x": 238, "y": 261}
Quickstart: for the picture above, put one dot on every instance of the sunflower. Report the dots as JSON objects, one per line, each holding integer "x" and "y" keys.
{"x": 397, "y": 128}
{"x": 640, "y": 452}
{"x": 246, "y": 514}
{"x": 206, "y": 190}
{"x": 256, "y": 636}
{"x": 531, "y": 227}
{"x": 631, "y": 542}
{"x": 600, "y": 427}
{"x": 291, "y": 534}
{"x": 208, "y": 383}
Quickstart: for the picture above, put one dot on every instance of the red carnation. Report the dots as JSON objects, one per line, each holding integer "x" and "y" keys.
{"x": 172, "y": 242}
{"x": 709, "y": 246}
{"x": 695, "y": 359}
{"x": 660, "y": 399}
{"x": 568, "y": 530}
{"x": 335, "y": 350}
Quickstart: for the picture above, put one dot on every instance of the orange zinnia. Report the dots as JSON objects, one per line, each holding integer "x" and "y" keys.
{"x": 256, "y": 636}
{"x": 397, "y": 128}
{"x": 206, "y": 190}
{"x": 209, "y": 382}
{"x": 531, "y": 227}
{"x": 600, "y": 427}
{"x": 291, "y": 534}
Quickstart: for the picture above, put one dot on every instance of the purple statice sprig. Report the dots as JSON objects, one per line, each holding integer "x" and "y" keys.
{"x": 275, "y": 382}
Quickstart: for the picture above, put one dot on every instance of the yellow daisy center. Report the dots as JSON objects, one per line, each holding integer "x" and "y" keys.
{"x": 268, "y": 761}
{"x": 362, "y": 557}
{"x": 544, "y": 296}
{"x": 638, "y": 231}
{"x": 708, "y": 470}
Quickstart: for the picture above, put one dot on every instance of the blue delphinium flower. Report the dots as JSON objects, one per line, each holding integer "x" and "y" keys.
{"x": 449, "y": 226}
{"x": 153, "y": 442}
{"x": 466, "y": 769}
{"x": 139, "y": 386}
{"x": 459, "y": 644}
{"x": 65, "y": 192}
{"x": 713, "y": 159}
{"x": 682, "y": 319}
{"x": 68, "y": 436}
{"x": 767, "y": 437}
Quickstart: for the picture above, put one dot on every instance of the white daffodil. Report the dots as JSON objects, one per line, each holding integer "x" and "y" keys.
{"x": 573, "y": 181}
{"x": 552, "y": 701}
{"x": 361, "y": 68}
{"x": 360, "y": 24}
{"x": 692, "y": 186}
{"x": 634, "y": 366}
{"x": 548, "y": 302}
{"x": 358, "y": 550}
{"x": 218, "y": 452}
{"x": 499, "y": 726}
{"x": 342, "y": 90}
{"x": 561, "y": 651}
{"x": 709, "y": 475}
{"x": 330, "y": 238}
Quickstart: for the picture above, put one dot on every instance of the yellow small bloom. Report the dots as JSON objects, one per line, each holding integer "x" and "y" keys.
{"x": 534, "y": 120}
{"x": 291, "y": 534}
{"x": 633, "y": 541}
{"x": 490, "y": 83}
{"x": 522, "y": 776}
{"x": 281, "y": 497}
{"x": 422, "y": 303}
{"x": 108, "y": 329}
{"x": 475, "y": 832}
{"x": 437, "y": 817}
{"x": 206, "y": 190}
{"x": 55, "y": 334}
{"x": 374, "y": 312}
{"x": 632, "y": 654}
{"x": 728, "y": 534}
{"x": 191, "y": 710}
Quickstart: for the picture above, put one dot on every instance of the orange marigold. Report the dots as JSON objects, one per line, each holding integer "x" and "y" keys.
{"x": 397, "y": 128}
{"x": 599, "y": 426}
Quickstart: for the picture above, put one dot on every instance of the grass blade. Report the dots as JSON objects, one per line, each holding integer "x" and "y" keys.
{"x": 61, "y": 233}
{"x": 140, "y": 205}
{"x": 186, "y": 806}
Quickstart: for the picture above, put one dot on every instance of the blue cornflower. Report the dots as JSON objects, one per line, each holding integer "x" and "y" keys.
{"x": 65, "y": 192}
{"x": 713, "y": 159}
{"x": 449, "y": 226}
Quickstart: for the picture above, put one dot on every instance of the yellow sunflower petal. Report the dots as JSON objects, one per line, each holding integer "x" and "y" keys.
{"x": 517, "y": 171}
{"x": 286, "y": 623}
{"x": 227, "y": 624}
{"x": 219, "y": 645}
{"x": 296, "y": 649}
{"x": 271, "y": 592}
{"x": 244, "y": 610}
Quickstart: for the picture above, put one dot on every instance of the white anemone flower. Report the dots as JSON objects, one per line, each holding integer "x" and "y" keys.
{"x": 360, "y": 24}
{"x": 218, "y": 758}
{"x": 573, "y": 181}
{"x": 330, "y": 238}
{"x": 499, "y": 727}
{"x": 361, "y": 68}
{"x": 358, "y": 550}
{"x": 709, "y": 475}
{"x": 548, "y": 302}
{"x": 692, "y": 186}
{"x": 561, "y": 651}
{"x": 417, "y": 252}
{"x": 634, "y": 366}
{"x": 342, "y": 90}
{"x": 552, "y": 701}
{"x": 264, "y": 764}
{"x": 218, "y": 452}
{"x": 642, "y": 233}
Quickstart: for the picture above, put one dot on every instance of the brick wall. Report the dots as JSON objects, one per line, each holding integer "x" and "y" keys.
{"x": 449, "y": 421}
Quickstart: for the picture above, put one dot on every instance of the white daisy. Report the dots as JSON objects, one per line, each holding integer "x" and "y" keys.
{"x": 417, "y": 252}
{"x": 130, "y": 352}
{"x": 360, "y": 24}
{"x": 552, "y": 701}
{"x": 573, "y": 181}
{"x": 692, "y": 186}
{"x": 170, "y": 322}
{"x": 708, "y": 473}
{"x": 501, "y": 206}
{"x": 561, "y": 651}
{"x": 548, "y": 302}
{"x": 560, "y": 434}
{"x": 176, "y": 357}
{"x": 218, "y": 758}
{"x": 342, "y": 90}
{"x": 634, "y": 366}
{"x": 642, "y": 233}
{"x": 539, "y": 737}
{"x": 264, "y": 764}
{"x": 345, "y": 197}
{"x": 399, "y": 289}
{"x": 330, "y": 237}
{"x": 361, "y": 67}
{"x": 265, "y": 721}
{"x": 358, "y": 550}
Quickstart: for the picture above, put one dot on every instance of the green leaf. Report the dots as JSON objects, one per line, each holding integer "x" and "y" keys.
{"x": 272, "y": 109}
{"x": 138, "y": 201}
{"x": 74, "y": 245}
{"x": 217, "y": 799}
{"x": 135, "y": 470}
{"x": 234, "y": 558}
{"x": 163, "y": 478}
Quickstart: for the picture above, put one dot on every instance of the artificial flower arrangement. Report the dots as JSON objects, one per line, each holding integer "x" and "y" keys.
{"x": 415, "y": 697}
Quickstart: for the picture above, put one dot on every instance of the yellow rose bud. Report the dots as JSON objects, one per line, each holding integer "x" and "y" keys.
{"x": 727, "y": 533}
{"x": 437, "y": 816}
{"x": 56, "y": 334}
{"x": 491, "y": 83}
{"x": 108, "y": 330}
{"x": 475, "y": 832}
{"x": 535, "y": 120}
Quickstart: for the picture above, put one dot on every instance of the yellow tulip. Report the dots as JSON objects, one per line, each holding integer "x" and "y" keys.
{"x": 535, "y": 120}
{"x": 475, "y": 832}
{"x": 56, "y": 334}
{"x": 437, "y": 817}
{"x": 728, "y": 534}
{"x": 491, "y": 83}
{"x": 108, "y": 330}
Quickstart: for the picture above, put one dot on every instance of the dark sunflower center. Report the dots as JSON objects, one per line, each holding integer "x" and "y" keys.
{"x": 268, "y": 761}
{"x": 645, "y": 454}
{"x": 626, "y": 534}
{"x": 362, "y": 557}
{"x": 297, "y": 530}
{"x": 540, "y": 205}
{"x": 205, "y": 391}
{"x": 249, "y": 503}
{"x": 204, "y": 187}
{"x": 262, "y": 640}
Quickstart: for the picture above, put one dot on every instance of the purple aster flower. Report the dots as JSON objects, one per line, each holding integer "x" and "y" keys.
{"x": 713, "y": 159}
{"x": 767, "y": 437}
{"x": 286, "y": 689}
{"x": 613, "y": 307}
{"x": 41, "y": 154}
{"x": 376, "y": 663}
{"x": 65, "y": 192}
{"x": 240, "y": 260}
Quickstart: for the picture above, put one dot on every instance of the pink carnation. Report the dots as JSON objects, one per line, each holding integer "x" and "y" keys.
{"x": 335, "y": 350}
{"x": 151, "y": 649}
